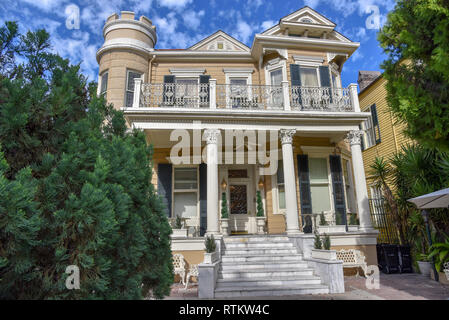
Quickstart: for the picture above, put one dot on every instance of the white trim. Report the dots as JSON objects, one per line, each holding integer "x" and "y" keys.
{"x": 357, "y": 239}
{"x": 280, "y": 63}
{"x": 187, "y": 245}
{"x": 217, "y": 34}
{"x": 187, "y": 72}
{"x": 238, "y": 70}
{"x": 130, "y": 24}
{"x": 312, "y": 60}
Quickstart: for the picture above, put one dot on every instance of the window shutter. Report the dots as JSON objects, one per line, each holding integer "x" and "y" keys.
{"x": 169, "y": 90}
{"x": 204, "y": 91}
{"x": 203, "y": 199}
{"x": 338, "y": 188}
{"x": 295, "y": 78}
{"x": 325, "y": 78}
{"x": 164, "y": 185}
{"x": 376, "y": 126}
{"x": 362, "y": 138}
{"x": 304, "y": 191}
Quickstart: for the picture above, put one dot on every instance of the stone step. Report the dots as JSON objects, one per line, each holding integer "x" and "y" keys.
{"x": 261, "y": 258}
{"x": 280, "y": 265}
{"x": 251, "y": 239}
{"x": 268, "y": 291}
{"x": 261, "y": 244}
{"x": 273, "y": 273}
{"x": 286, "y": 281}
{"x": 259, "y": 251}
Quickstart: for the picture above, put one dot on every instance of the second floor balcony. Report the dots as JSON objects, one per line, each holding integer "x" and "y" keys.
{"x": 243, "y": 97}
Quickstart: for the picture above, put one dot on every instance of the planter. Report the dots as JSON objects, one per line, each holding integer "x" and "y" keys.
{"x": 353, "y": 228}
{"x": 324, "y": 254}
{"x": 179, "y": 233}
{"x": 210, "y": 258}
{"x": 441, "y": 278}
{"x": 332, "y": 229}
{"x": 425, "y": 268}
{"x": 260, "y": 225}
{"x": 224, "y": 224}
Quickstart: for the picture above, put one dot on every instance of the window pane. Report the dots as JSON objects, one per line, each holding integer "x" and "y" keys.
{"x": 318, "y": 170}
{"x": 320, "y": 198}
{"x": 280, "y": 173}
{"x": 281, "y": 192}
{"x": 186, "y": 178}
{"x": 185, "y": 204}
{"x": 131, "y": 77}
{"x": 309, "y": 77}
{"x": 276, "y": 77}
{"x": 104, "y": 83}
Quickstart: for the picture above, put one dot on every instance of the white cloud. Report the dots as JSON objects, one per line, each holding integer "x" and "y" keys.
{"x": 47, "y": 5}
{"x": 244, "y": 31}
{"x": 174, "y": 4}
{"x": 356, "y": 56}
{"x": 192, "y": 19}
{"x": 312, "y": 3}
{"x": 267, "y": 24}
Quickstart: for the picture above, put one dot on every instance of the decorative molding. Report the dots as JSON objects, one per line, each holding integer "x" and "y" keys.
{"x": 211, "y": 136}
{"x": 312, "y": 59}
{"x": 187, "y": 72}
{"x": 287, "y": 135}
{"x": 355, "y": 137}
{"x": 131, "y": 24}
{"x": 238, "y": 70}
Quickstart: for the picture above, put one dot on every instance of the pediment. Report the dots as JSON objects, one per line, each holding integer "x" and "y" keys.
{"x": 308, "y": 16}
{"x": 220, "y": 41}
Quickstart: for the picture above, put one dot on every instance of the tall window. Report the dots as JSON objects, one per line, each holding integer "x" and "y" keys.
{"x": 309, "y": 77}
{"x": 371, "y": 128}
{"x": 185, "y": 192}
{"x": 239, "y": 93}
{"x": 349, "y": 185}
{"x": 186, "y": 91}
{"x": 281, "y": 185}
{"x": 319, "y": 185}
{"x": 276, "y": 78}
{"x": 131, "y": 76}
{"x": 104, "y": 83}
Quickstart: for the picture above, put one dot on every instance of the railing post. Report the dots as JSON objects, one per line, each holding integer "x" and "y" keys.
{"x": 354, "y": 97}
{"x": 286, "y": 96}
{"x": 213, "y": 93}
{"x": 137, "y": 91}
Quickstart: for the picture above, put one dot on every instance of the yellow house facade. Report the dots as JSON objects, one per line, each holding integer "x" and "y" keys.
{"x": 231, "y": 123}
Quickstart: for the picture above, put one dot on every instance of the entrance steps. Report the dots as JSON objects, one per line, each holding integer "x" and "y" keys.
{"x": 264, "y": 266}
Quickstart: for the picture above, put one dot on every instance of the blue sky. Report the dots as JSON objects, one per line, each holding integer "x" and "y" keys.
{"x": 181, "y": 23}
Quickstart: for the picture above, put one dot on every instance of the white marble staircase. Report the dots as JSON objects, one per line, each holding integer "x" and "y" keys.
{"x": 262, "y": 266}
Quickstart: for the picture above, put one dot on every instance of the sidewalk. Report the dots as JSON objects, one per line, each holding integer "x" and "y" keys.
{"x": 408, "y": 286}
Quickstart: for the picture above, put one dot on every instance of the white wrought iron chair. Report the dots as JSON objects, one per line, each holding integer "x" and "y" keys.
{"x": 193, "y": 272}
{"x": 179, "y": 265}
{"x": 353, "y": 258}
{"x": 446, "y": 270}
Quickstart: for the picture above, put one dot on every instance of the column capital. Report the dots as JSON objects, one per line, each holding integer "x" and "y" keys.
{"x": 355, "y": 137}
{"x": 287, "y": 135}
{"x": 211, "y": 136}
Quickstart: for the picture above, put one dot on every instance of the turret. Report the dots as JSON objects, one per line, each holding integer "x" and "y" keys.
{"x": 124, "y": 56}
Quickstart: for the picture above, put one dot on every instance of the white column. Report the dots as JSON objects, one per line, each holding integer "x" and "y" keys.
{"x": 213, "y": 93}
{"x": 291, "y": 202}
{"x": 137, "y": 90}
{"x": 354, "y": 97}
{"x": 211, "y": 137}
{"x": 286, "y": 96}
{"x": 360, "y": 181}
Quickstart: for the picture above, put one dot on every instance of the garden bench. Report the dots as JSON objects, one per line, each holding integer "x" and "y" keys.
{"x": 179, "y": 266}
{"x": 353, "y": 258}
{"x": 193, "y": 272}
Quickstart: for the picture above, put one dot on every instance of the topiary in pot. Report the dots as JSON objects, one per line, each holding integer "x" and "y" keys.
{"x": 210, "y": 244}
{"x": 327, "y": 242}
{"x": 323, "y": 221}
{"x": 318, "y": 244}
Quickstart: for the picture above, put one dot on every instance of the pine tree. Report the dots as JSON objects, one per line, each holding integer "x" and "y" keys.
{"x": 94, "y": 205}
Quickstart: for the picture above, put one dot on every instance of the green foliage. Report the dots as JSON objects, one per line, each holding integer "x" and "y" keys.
{"x": 416, "y": 40}
{"x": 78, "y": 189}
{"x": 260, "y": 211}
{"x": 317, "y": 242}
{"x": 440, "y": 252}
{"x": 323, "y": 221}
{"x": 224, "y": 206}
{"x": 209, "y": 243}
{"x": 327, "y": 242}
{"x": 178, "y": 222}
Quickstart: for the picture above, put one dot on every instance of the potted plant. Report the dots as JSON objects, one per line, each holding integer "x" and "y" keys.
{"x": 224, "y": 221}
{"x": 353, "y": 222}
{"x": 440, "y": 253}
{"x": 322, "y": 249}
{"x": 323, "y": 221}
{"x": 178, "y": 230}
{"x": 425, "y": 267}
{"x": 210, "y": 256}
{"x": 260, "y": 216}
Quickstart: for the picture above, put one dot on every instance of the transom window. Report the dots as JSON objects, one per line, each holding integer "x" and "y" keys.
{"x": 185, "y": 192}
{"x": 319, "y": 185}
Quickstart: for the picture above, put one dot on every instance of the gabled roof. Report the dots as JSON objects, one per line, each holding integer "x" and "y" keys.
{"x": 307, "y": 12}
{"x": 229, "y": 43}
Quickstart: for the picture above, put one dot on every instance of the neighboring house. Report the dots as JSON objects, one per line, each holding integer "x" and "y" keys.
{"x": 383, "y": 137}
{"x": 288, "y": 82}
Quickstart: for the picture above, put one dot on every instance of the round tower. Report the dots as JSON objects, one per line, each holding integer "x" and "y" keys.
{"x": 124, "y": 56}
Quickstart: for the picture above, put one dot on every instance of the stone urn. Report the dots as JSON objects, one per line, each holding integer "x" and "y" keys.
{"x": 425, "y": 267}
{"x": 260, "y": 225}
{"x": 224, "y": 224}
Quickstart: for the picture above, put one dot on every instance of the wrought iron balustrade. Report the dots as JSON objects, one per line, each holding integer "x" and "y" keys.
{"x": 321, "y": 99}
{"x": 249, "y": 97}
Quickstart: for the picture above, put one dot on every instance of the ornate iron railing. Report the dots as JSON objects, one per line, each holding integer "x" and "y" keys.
{"x": 321, "y": 99}
{"x": 249, "y": 97}
{"x": 383, "y": 221}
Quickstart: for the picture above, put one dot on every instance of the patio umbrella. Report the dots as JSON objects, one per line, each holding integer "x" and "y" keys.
{"x": 437, "y": 199}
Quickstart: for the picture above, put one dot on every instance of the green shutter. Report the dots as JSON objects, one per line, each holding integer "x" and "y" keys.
{"x": 204, "y": 92}
{"x": 304, "y": 191}
{"x": 325, "y": 79}
{"x": 203, "y": 199}
{"x": 362, "y": 138}
{"x": 376, "y": 126}
{"x": 169, "y": 91}
{"x": 295, "y": 78}
{"x": 338, "y": 189}
{"x": 164, "y": 185}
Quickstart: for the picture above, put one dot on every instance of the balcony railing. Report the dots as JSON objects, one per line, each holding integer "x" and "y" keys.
{"x": 244, "y": 97}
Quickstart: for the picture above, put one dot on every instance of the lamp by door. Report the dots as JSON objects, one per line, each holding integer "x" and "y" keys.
{"x": 224, "y": 184}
